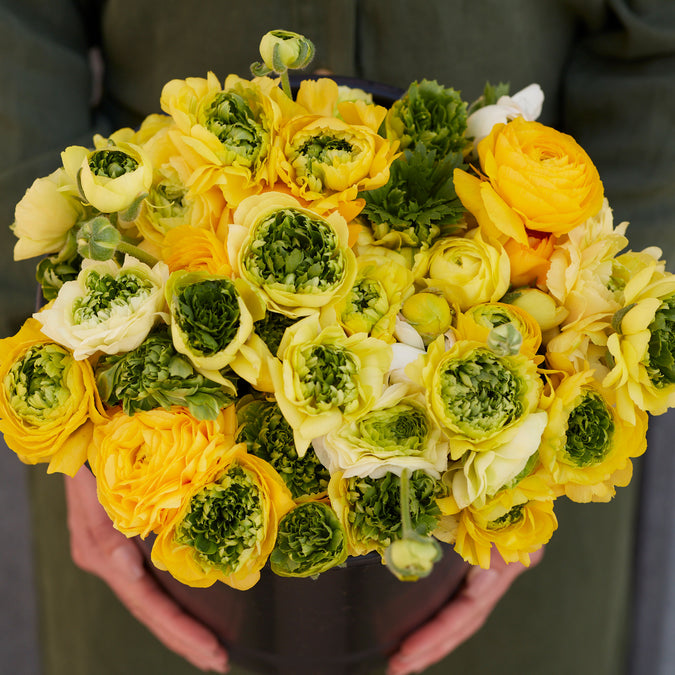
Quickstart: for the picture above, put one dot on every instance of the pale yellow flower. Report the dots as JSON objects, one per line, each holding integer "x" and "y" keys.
{"x": 467, "y": 270}
{"x": 324, "y": 379}
{"x": 44, "y": 216}
{"x": 300, "y": 261}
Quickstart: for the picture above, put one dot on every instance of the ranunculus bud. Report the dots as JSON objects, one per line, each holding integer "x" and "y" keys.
{"x": 540, "y": 305}
{"x": 429, "y": 313}
{"x": 283, "y": 49}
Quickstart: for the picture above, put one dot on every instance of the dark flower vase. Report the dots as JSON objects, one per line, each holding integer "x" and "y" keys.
{"x": 345, "y": 622}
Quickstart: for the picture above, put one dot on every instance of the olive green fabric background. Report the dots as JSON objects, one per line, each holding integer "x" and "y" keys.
{"x": 608, "y": 72}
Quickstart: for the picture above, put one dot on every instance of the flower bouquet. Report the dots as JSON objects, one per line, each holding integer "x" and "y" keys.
{"x": 290, "y": 331}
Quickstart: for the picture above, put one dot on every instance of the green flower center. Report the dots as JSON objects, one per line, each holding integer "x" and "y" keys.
{"x": 241, "y": 132}
{"x": 511, "y": 517}
{"x": 271, "y": 329}
{"x": 208, "y": 314}
{"x": 315, "y": 154}
{"x": 327, "y": 376}
{"x": 167, "y": 200}
{"x": 480, "y": 393}
{"x": 269, "y": 436}
{"x": 402, "y": 429}
{"x": 294, "y": 252}
{"x": 35, "y": 384}
{"x": 368, "y": 300}
{"x": 224, "y": 522}
{"x": 375, "y": 506}
{"x": 661, "y": 362}
{"x": 590, "y": 429}
{"x": 106, "y": 295}
{"x": 111, "y": 163}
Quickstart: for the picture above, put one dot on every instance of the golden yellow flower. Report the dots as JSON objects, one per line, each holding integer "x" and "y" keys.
{"x": 226, "y": 528}
{"x": 544, "y": 176}
{"x": 193, "y": 249}
{"x": 323, "y": 378}
{"x": 326, "y": 160}
{"x": 146, "y": 464}
{"x": 587, "y": 447}
{"x": 517, "y": 522}
{"x": 478, "y": 397}
{"x": 49, "y": 403}
{"x": 375, "y": 299}
{"x": 467, "y": 270}
{"x": 580, "y": 345}
{"x": 225, "y": 133}
{"x": 300, "y": 260}
{"x": 430, "y": 314}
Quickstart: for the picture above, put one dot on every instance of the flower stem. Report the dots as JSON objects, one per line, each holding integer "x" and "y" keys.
{"x": 138, "y": 253}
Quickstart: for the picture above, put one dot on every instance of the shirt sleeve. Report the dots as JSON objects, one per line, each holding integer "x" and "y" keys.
{"x": 45, "y": 105}
{"x": 619, "y": 103}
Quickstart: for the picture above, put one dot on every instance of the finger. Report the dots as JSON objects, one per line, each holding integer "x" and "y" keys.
{"x": 147, "y": 601}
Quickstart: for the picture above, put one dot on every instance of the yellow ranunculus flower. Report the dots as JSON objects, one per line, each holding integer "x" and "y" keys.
{"x": 323, "y": 378}
{"x": 327, "y": 160}
{"x": 44, "y": 216}
{"x": 375, "y": 299}
{"x": 541, "y": 306}
{"x": 212, "y": 319}
{"x": 587, "y": 447}
{"x": 582, "y": 266}
{"x": 194, "y": 249}
{"x": 477, "y": 322}
{"x": 169, "y": 203}
{"x": 49, "y": 403}
{"x": 283, "y": 49}
{"x": 301, "y": 261}
{"x": 226, "y": 527}
{"x": 113, "y": 175}
{"x": 580, "y": 345}
{"x": 147, "y": 463}
{"x": 543, "y": 175}
{"x": 478, "y": 397}
{"x": 225, "y": 133}
{"x": 517, "y": 522}
{"x": 430, "y": 314}
{"x": 467, "y": 270}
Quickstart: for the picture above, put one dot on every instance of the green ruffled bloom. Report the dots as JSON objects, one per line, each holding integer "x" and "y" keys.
{"x": 241, "y": 131}
{"x": 55, "y": 270}
{"x": 374, "y": 508}
{"x": 418, "y": 204}
{"x": 224, "y": 523}
{"x": 271, "y": 329}
{"x": 269, "y": 436}
{"x": 430, "y": 114}
{"x": 661, "y": 366}
{"x": 155, "y": 374}
{"x": 295, "y": 253}
{"x": 590, "y": 427}
{"x": 207, "y": 313}
{"x": 310, "y": 540}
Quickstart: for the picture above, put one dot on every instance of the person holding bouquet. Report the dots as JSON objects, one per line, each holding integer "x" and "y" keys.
{"x": 71, "y": 69}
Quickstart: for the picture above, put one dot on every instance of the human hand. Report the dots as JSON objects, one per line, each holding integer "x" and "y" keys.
{"x": 97, "y": 547}
{"x": 461, "y": 618}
